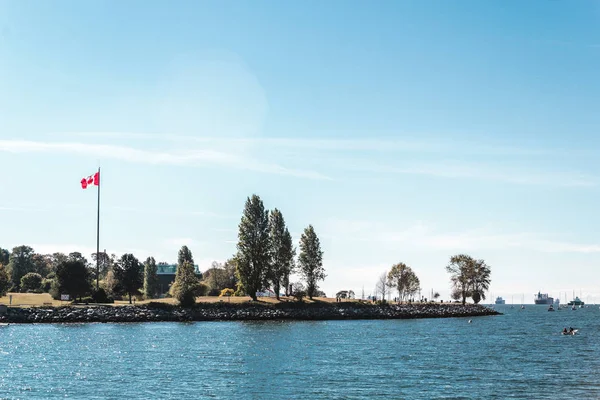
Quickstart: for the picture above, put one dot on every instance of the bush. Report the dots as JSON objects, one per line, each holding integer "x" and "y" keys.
{"x": 100, "y": 296}
{"x": 31, "y": 282}
{"x": 227, "y": 292}
{"x": 46, "y": 285}
{"x": 213, "y": 292}
{"x": 299, "y": 295}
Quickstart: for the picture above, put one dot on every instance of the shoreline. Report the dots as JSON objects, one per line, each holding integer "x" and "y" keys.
{"x": 160, "y": 312}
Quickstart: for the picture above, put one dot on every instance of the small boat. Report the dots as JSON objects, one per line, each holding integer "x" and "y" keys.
{"x": 4, "y": 323}
{"x": 573, "y": 332}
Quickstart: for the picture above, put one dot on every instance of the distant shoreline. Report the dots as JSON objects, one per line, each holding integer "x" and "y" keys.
{"x": 160, "y": 312}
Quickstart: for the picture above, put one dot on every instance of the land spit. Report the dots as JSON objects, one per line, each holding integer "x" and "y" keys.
{"x": 250, "y": 311}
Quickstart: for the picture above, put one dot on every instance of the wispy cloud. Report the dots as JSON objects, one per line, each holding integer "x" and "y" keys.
{"x": 196, "y": 157}
{"x": 486, "y": 172}
{"x": 423, "y": 237}
{"x": 371, "y": 144}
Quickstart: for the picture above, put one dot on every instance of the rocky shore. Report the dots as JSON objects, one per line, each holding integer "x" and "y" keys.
{"x": 238, "y": 312}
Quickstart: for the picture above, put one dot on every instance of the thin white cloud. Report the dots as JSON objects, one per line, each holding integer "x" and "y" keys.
{"x": 195, "y": 157}
{"x": 381, "y": 144}
{"x": 420, "y": 236}
{"x": 486, "y": 173}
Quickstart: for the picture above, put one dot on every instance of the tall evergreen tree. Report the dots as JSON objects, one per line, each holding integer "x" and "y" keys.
{"x": 310, "y": 260}
{"x": 130, "y": 274}
{"x": 186, "y": 284}
{"x": 185, "y": 254}
{"x": 282, "y": 252}
{"x": 253, "y": 255}
{"x": 289, "y": 265}
{"x": 150, "y": 278}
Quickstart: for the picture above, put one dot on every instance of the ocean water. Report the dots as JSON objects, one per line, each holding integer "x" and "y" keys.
{"x": 517, "y": 355}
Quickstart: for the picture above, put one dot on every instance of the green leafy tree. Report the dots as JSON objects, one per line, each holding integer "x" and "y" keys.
{"x": 150, "y": 278}
{"x": 4, "y": 256}
{"x": 72, "y": 278}
{"x": 77, "y": 256}
{"x": 404, "y": 280}
{"x": 56, "y": 259}
{"x": 480, "y": 280}
{"x": 186, "y": 286}
{"x": 130, "y": 274}
{"x": 31, "y": 281}
{"x": 253, "y": 255}
{"x": 20, "y": 263}
{"x": 42, "y": 264}
{"x": 282, "y": 252}
{"x": 461, "y": 270}
{"x": 310, "y": 260}
{"x": 5, "y": 283}
{"x": 105, "y": 263}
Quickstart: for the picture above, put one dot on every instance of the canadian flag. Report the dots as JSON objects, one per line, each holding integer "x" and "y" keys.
{"x": 91, "y": 180}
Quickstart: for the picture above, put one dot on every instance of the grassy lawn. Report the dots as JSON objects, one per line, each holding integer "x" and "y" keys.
{"x": 30, "y": 299}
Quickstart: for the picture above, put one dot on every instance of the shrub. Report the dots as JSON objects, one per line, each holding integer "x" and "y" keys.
{"x": 299, "y": 295}
{"x": 100, "y": 296}
{"x": 31, "y": 282}
{"x": 227, "y": 292}
{"x": 46, "y": 285}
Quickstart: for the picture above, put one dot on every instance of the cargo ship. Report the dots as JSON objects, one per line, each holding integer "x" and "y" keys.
{"x": 543, "y": 298}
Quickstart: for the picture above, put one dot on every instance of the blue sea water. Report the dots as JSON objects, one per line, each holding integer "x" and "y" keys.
{"x": 517, "y": 355}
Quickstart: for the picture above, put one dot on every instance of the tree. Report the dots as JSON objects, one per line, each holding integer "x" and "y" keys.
{"x": 4, "y": 256}
{"x": 461, "y": 270}
{"x": 55, "y": 259}
{"x": 31, "y": 281}
{"x": 20, "y": 263}
{"x": 105, "y": 263}
{"x": 185, "y": 254}
{"x": 382, "y": 286}
{"x": 130, "y": 274}
{"x": 310, "y": 260}
{"x": 150, "y": 278}
{"x": 436, "y": 295}
{"x": 282, "y": 252}
{"x": 4, "y": 281}
{"x": 72, "y": 278}
{"x": 186, "y": 284}
{"x": 253, "y": 256}
{"x": 480, "y": 280}
{"x": 298, "y": 291}
{"x": 404, "y": 279}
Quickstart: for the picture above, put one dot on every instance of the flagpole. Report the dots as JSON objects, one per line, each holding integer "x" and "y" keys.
{"x": 98, "y": 237}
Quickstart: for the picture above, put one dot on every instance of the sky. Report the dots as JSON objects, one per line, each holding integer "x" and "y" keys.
{"x": 403, "y": 131}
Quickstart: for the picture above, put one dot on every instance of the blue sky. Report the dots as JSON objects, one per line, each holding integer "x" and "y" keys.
{"x": 402, "y": 130}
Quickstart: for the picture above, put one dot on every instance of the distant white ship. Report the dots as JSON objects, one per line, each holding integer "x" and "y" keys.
{"x": 500, "y": 300}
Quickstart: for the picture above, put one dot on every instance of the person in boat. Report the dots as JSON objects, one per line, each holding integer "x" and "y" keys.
{"x": 565, "y": 331}
{"x": 570, "y": 330}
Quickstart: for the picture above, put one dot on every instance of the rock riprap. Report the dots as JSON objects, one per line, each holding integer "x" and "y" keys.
{"x": 240, "y": 312}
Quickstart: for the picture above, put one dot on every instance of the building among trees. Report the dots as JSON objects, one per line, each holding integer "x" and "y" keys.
{"x": 166, "y": 276}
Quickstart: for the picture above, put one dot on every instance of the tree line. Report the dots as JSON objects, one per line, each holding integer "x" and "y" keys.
{"x": 265, "y": 258}
{"x": 469, "y": 277}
